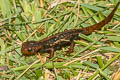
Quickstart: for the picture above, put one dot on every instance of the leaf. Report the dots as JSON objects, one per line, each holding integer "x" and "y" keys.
{"x": 110, "y": 49}
{"x": 91, "y": 64}
{"x": 5, "y": 8}
{"x": 2, "y": 44}
{"x": 60, "y": 78}
{"x": 114, "y": 38}
{"x": 93, "y": 7}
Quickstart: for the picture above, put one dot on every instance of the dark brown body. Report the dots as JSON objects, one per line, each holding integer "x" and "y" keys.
{"x": 62, "y": 39}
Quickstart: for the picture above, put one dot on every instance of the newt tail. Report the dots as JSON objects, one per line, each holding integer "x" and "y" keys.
{"x": 62, "y": 39}
{"x": 92, "y": 28}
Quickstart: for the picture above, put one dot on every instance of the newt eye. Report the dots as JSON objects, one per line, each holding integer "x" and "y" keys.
{"x": 30, "y": 49}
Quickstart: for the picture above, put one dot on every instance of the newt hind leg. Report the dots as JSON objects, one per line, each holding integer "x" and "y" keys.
{"x": 71, "y": 49}
{"x": 51, "y": 53}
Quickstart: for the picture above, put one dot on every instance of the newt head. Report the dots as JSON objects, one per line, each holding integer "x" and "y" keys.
{"x": 30, "y": 48}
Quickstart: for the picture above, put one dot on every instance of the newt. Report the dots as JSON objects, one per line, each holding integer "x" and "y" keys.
{"x": 62, "y": 39}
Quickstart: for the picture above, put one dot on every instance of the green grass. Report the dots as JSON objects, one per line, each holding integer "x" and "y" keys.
{"x": 96, "y": 56}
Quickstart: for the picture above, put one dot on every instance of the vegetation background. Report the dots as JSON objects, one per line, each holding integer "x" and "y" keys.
{"x": 95, "y": 57}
